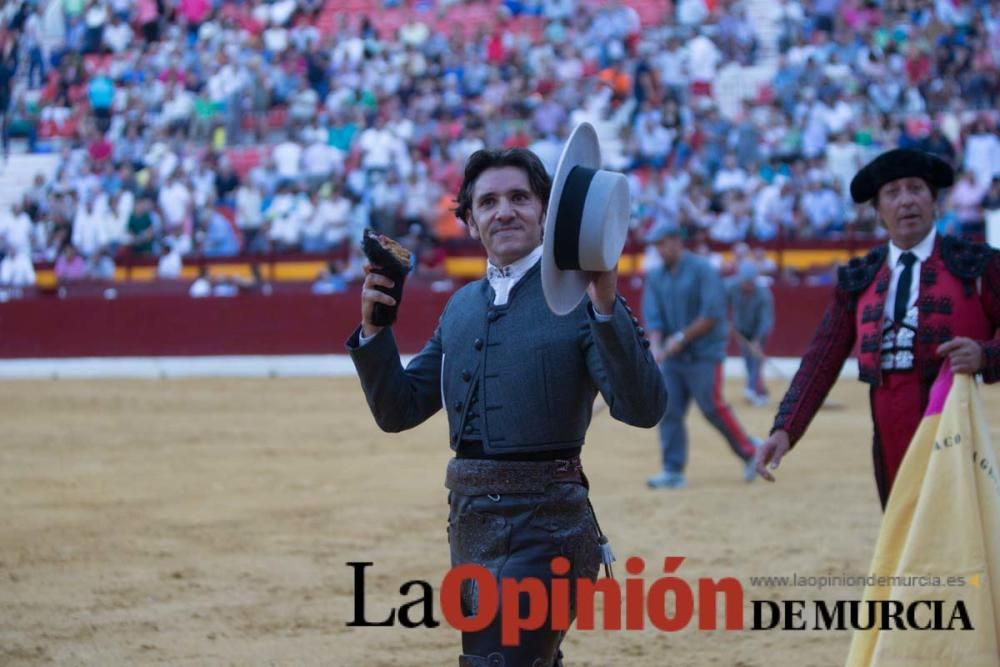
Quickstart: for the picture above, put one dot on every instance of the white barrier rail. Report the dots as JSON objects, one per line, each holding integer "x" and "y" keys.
{"x": 319, "y": 365}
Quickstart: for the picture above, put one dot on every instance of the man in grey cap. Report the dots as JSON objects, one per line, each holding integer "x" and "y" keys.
{"x": 753, "y": 317}
{"x": 684, "y": 304}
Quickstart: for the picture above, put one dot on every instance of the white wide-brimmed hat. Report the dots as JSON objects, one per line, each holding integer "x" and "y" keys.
{"x": 586, "y": 223}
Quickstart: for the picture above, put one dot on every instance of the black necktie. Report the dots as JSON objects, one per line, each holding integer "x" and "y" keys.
{"x": 903, "y": 286}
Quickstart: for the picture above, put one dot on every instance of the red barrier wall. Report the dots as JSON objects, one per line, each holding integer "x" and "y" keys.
{"x": 286, "y": 322}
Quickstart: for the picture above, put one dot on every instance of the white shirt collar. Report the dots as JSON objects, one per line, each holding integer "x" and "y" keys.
{"x": 922, "y": 250}
{"x": 502, "y": 280}
{"x": 516, "y": 269}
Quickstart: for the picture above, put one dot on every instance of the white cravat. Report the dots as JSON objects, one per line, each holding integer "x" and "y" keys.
{"x": 502, "y": 280}
{"x": 922, "y": 251}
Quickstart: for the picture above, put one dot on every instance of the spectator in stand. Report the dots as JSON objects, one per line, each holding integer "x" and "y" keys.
{"x": 101, "y": 93}
{"x": 419, "y": 195}
{"x": 95, "y": 17}
{"x": 226, "y": 183}
{"x": 769, "y": 212}
{"x": 202, "y": 181}
{"x": 176, "y": 202}
{"x": 714, "y": 132}
{"x": 178, "y": 107}
{"x": 844, "y": 158}
{"x": 733, "y": 222}
{"x": 16, "y": 269}
{"x": 250, "y": 215}
{"x": 90, "y": 225}
{"x": 170, "y": 265}
{"x": 320, "y": 161}
{"x": 965, "y": 199}
{"x": 982, "y": 152}
{"x": 653, "y": 141}
{"x": 220, "y": 238}
{"x": 313, "y": 223}
{"x": 102, "y": 265}
{"x": 130, "y": 148}
{"x": 386, "y": 202}
{"x": 16, "y": 229}
{"x": 695, "y": 207}
{"x": 32, "y": 43}
{"x": 70, "y": 266}
{"x": 99, "y": 149}
{"x": 266, "y": 178}
{"x": 302, "y": 105}
{"x": 284, "y": 219}
{"x": 120, "y": 207}
{"x": 288, "y": 159}
{"x": 731, "y": 176}
{"x": 142, "y": 229}
{"x": 8, "y": 67}
{"x": 379, "y": 146}
{"x": 117, "y": 34}
{"x": 703, "y": 60}
{"x": 823, "y": 208}
{"x": 340, "y": 218}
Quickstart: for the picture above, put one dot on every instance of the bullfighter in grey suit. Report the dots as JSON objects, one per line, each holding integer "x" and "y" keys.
{"x": 518, "y": 384}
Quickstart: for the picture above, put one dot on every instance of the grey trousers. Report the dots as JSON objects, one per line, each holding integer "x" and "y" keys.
{"x": 702, "y": 381}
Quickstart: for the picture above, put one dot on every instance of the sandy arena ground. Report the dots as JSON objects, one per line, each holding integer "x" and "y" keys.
{"x": 208, "y": 522}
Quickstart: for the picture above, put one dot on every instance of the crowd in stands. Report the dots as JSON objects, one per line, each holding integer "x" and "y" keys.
{"x": 224, "y": 127}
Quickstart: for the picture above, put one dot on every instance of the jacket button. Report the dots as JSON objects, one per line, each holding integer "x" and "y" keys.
{"x": 478, "y": 344}
{"x": 645, "y": 342}
{"x": 493, "y": 316}
{"x": 624, "y": 300}
{"x": 641, "y": 331}
{"x": 468, "y": 428}
{"x": 458, "y": 405}
{"x": 466, "y": 375}
{"x": 635, "y": 320}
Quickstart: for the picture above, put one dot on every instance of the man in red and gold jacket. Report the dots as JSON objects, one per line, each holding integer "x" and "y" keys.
{"x": 907, "y": 306}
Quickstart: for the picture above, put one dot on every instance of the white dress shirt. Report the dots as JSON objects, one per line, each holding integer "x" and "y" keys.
{"x": 922, "y": 251}
{"x": 502, "y": 280}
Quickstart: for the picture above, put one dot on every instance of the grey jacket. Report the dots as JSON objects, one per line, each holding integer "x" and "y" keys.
{"x": 534, "y": 375}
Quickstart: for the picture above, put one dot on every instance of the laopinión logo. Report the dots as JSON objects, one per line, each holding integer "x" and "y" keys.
{"x": 550, "y": 603}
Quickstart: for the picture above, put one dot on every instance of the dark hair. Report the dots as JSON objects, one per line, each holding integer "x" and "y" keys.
{"x": 521, "y": 158}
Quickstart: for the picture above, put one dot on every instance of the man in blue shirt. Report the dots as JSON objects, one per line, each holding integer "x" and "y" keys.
{"x": 684, "y": 304}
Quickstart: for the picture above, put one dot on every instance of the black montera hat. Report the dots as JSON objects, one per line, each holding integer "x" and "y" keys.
{"x": 900, "y": 163}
